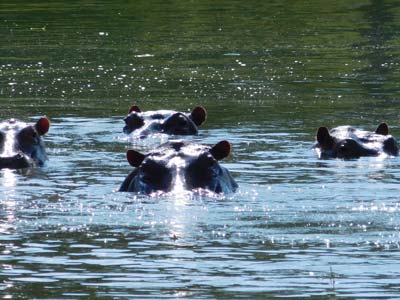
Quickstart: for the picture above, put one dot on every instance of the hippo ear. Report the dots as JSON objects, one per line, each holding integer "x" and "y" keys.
{"x": 198, "y": 115}
{"x": 42, "y": 126}
{"x": 134, "y": 158}
{"x": 221, "y": 150}
{"x": 382, "y": 129}
{"x": 324, "y": 138}
{"x": 134, "y": 108}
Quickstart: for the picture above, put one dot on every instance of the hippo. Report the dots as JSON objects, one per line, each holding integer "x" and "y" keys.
{"x": 163, "y": 121}
{"x": 348, "y": 142}
{"x": 179, "y": 165}
{"x": 21, "y": 145}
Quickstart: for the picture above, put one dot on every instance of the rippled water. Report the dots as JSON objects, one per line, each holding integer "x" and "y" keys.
{"x": 269, "y": 75}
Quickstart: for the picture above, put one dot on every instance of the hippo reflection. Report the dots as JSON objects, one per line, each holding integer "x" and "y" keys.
{"x": 163, "y": 121}
{"x": 179, "y": 164}
{"x": 21, "y": 145}
{"x": 348, "y": 142}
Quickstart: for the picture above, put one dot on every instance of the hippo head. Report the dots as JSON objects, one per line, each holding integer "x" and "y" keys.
{"x": 21, "y": 145}
{"x": 347, "y": 142}
{"x": 164, "y": 121}
{"x": 179, "y": 165}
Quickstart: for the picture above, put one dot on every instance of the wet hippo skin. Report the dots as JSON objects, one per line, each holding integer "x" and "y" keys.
{"x": 180, "y": 164}
{"x": 348, "y": 142}
{"x": 21, "y": 145}
{"x": 163, "y": 121}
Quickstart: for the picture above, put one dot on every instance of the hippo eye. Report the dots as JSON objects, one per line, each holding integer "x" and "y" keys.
{"x": 182, "y": 121}
{"x": 134, "y": 121}
{"x": 348, "y": 145}
{"x": 147, "y": 168}
{"x": 202, "y": 172}
{"x": 351, "y": 149}
{"x": 206, "y": 161}
{"x": 155, "y": 174}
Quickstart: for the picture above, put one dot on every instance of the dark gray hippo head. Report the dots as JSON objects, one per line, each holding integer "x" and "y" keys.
{"x": 21, "y": 145}
{"x": 348, "y": 142}
{"x": 179, "y": 165}
{"x": 163, "y": 121}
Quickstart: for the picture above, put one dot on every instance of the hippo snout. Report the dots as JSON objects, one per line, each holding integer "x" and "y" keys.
{"x": 18, "y": 161}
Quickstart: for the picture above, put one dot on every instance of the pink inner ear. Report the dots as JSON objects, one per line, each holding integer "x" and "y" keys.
{"x": 198, "y": 115}
{"x": 134, "y": 158}
{"x": 134, "y": 108}
{"x": 42, "y": 126}
{"x": 221, "y": 150}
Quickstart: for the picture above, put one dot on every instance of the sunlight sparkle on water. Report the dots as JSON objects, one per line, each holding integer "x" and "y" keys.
{"x": 179, "y": 187}
{"x": 8, "y": 178}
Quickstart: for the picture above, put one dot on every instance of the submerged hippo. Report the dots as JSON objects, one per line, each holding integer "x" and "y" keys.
{"x": 21, "y": 145}
{"x": 348, "y": 142}
{"x": 164, "y": 121}
{"x": 179, "y": 165}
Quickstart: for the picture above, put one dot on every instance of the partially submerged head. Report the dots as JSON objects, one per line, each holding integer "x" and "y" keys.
{"x": 21, "y": 145}
{"x": 348, "y": 143}
{"x": 181, "y": 165}
{"x": 164, "y": 121}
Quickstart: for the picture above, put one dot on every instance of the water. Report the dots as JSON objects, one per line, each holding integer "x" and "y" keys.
{"x": 269, "y": 74}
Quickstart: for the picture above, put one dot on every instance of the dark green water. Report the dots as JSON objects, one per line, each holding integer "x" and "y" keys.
{"x": 269, "y": 73}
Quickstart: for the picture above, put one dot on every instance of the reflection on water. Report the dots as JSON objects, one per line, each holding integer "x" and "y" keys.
{"x": 308, "y": 224}
{"x": 269, "y": 74}
{"x": 8, "y": 204}
{"x": 8, "y": 178}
